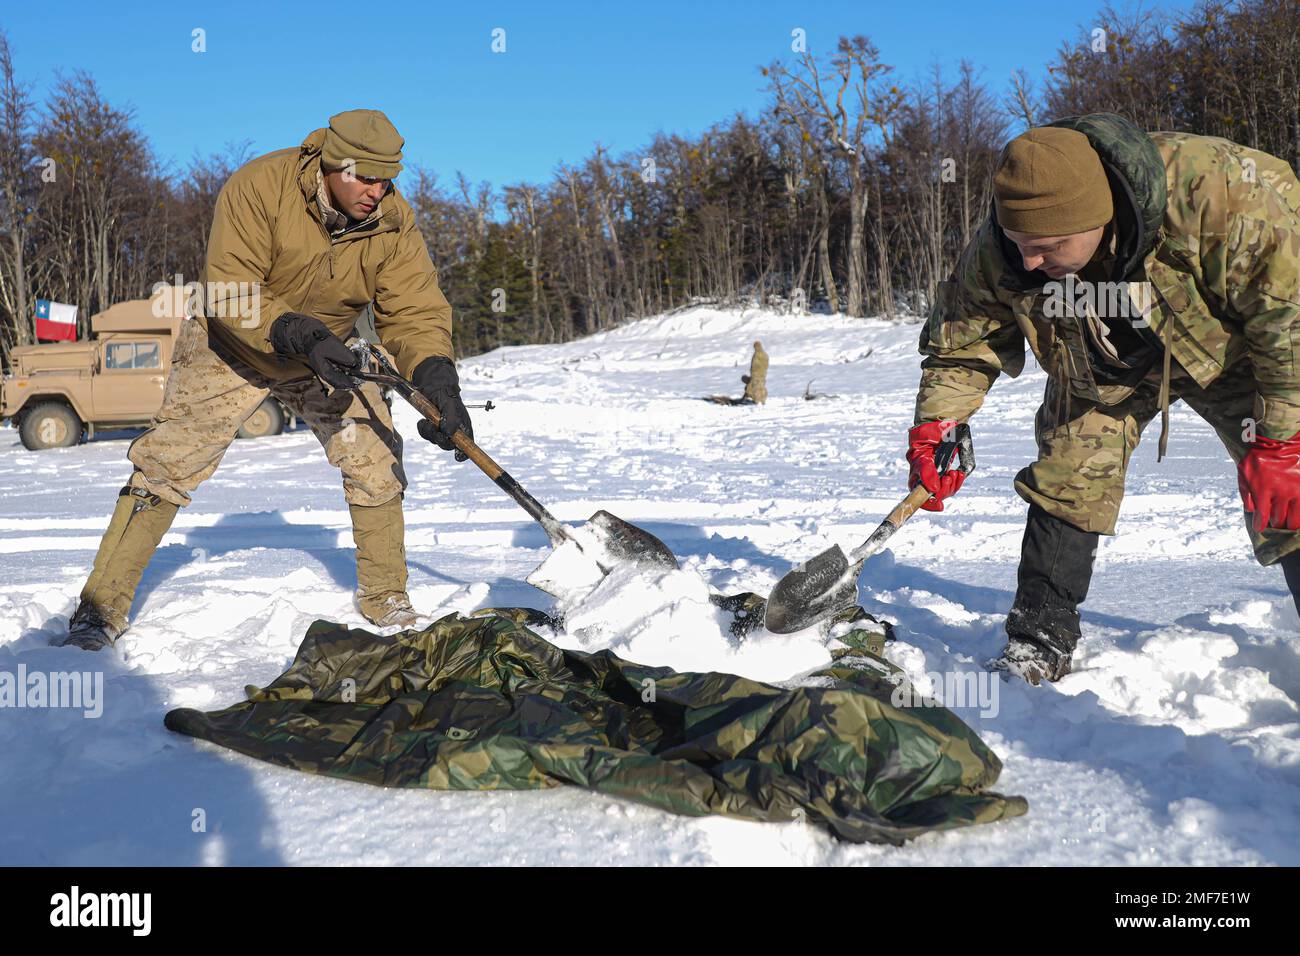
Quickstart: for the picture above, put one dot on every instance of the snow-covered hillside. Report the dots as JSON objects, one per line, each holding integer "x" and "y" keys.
{"x": 1177, "y": 740}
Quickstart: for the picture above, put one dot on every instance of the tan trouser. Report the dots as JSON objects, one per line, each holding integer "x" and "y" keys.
{"x": 207, "y": 398}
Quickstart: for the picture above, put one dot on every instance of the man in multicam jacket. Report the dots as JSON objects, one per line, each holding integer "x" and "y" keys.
{"x": 1139, "y": 268}
{"x": 302, "y": 240}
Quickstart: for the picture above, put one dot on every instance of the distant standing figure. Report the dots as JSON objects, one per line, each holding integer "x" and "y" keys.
{"x": 756, "y": 380}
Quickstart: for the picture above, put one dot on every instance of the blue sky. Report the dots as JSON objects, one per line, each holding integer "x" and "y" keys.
{"x": 573, "y": 74}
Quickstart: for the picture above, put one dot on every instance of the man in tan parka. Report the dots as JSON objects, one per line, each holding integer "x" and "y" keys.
{"x": 302, "y": 241}
{"x": 1140, "y": 268}
{"x": 756, "y": 380}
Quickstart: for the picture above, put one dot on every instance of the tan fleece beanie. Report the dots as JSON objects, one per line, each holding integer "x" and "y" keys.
{"x": 366, "y": 139}
{"x": 1050, "y": 182}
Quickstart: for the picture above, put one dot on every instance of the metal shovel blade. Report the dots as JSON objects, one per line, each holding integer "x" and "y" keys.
{"x": 627, "y": 542}
{"x": 813, "y": 590}
{"x": 620, "y": 542}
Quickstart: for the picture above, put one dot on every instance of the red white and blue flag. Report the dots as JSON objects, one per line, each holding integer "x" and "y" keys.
{"x": 55, "y": 320}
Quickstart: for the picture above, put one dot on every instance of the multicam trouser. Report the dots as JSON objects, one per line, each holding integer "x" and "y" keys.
{"x": 207, "y": 398}
{"x": 1084, "y": 448}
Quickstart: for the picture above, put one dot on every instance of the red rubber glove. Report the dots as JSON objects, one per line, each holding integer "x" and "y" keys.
{"x": 922, "y": 441}
{"x": 1269, "y": 481}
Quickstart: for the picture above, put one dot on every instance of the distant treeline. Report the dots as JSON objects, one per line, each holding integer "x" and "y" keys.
{"x": 852, "y": 191}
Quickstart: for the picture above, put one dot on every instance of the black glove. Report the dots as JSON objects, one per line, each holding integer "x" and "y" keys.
{"x": 437, "y": 381}
{"x": 305, "y": 337}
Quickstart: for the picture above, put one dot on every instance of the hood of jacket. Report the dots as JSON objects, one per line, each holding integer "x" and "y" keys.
{"x": 1136, "y": 173}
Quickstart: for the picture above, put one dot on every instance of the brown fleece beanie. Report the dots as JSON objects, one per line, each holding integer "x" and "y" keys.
{"x": 1050, "y": 182}
{"x": 366, "y": 139}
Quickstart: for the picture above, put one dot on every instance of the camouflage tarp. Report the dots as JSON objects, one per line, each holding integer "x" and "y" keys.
{"x": 484, "y": 703}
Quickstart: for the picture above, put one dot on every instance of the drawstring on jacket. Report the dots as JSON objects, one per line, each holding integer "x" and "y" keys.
{"x": 1164, "y": 397}
{"x": 1061, "y": 363}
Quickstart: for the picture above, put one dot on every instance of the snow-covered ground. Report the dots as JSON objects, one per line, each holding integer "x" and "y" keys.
{"x": 1177, "y": 740}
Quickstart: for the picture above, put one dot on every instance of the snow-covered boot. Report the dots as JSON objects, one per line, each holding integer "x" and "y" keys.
{"x": 1043, "y": 624}
{"x": 380, "y": 535}
{"x": 88, "y": 630}
{"x": 1040, "y": 645}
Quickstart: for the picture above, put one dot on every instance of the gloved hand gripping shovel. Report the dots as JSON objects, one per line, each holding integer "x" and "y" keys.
{"x": 618, "y": 541}
{"x": 829, "y": 582}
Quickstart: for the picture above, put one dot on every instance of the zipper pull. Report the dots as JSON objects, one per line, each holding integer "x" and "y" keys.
{"x": 331, "y": 254}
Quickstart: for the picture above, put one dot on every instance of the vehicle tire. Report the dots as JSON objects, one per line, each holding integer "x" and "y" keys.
{"x": 51, "y": 425}
{"x": 267, "y": 419}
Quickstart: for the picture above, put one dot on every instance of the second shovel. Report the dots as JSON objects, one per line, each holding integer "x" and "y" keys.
{"x": 829, "y": 582}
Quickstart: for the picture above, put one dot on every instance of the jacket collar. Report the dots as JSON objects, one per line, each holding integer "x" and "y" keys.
{"x": 385, "y": 218}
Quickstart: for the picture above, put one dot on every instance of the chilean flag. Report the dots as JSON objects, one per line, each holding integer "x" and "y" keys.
{"x": 55, "y": 320}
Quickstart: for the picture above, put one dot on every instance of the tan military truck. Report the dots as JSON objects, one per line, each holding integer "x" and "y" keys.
{"x": 60, "y": 393}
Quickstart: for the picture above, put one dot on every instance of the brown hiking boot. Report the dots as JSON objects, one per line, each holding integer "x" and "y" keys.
{"x": 388, "y": 610}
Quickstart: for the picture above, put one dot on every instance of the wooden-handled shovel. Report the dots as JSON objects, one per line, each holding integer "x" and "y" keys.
{"x": 818, "y": 588}
{"x": 619, "y": 541}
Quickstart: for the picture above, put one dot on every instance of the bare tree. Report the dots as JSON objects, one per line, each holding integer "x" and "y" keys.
{"x": 20, "y": 198}
{"x": 836, "y": 104}
{"x": 1021, "y": 103}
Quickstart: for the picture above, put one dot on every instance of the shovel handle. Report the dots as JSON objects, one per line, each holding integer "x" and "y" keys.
{"x": 893, "y": 521}
{"x": 908, "y": 506}
{"x": 960, "y": 445}
{"x": 464, "y": 444}
{"x": 556, "y": 532}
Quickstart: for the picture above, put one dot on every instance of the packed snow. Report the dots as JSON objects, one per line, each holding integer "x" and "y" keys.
{"x": 1176, "y": 741}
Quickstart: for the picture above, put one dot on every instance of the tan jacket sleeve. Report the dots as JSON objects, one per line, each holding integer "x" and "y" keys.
{"x": 970, "y": 338}
{"x": 412, "y": 316}
{"x": 238, "y": 262}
